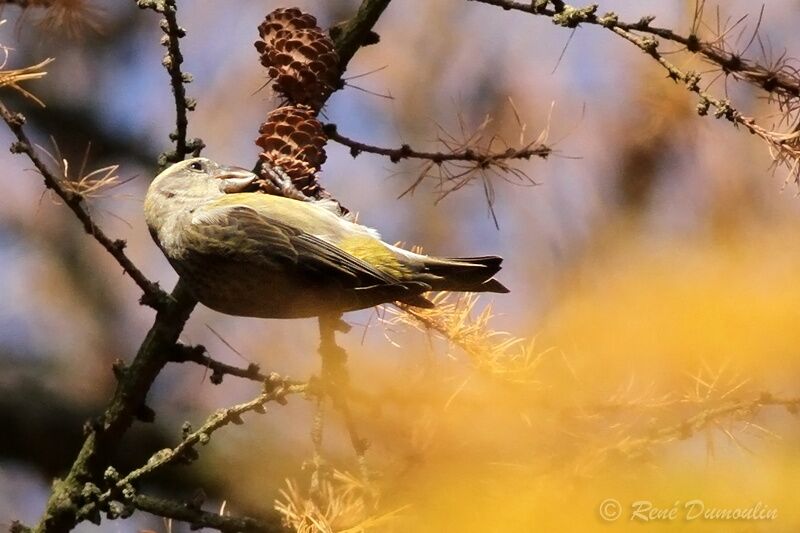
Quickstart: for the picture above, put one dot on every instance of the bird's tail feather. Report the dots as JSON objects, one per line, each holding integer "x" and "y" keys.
{"x": 468, "y": 274}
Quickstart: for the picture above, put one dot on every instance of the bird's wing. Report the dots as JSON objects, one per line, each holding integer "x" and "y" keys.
{"x": 241, "y": 233}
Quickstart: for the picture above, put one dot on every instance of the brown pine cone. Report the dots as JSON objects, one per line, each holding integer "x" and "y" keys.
{"x": 292, "y": 138}
{"x": 299, "y": 56}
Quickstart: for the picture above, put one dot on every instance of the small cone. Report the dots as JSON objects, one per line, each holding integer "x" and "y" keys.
{"x": 292, "y": 138}
{"x": 300, "y": 58}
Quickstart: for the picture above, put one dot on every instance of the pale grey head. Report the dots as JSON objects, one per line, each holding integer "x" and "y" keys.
{"x": 184, "y": 186}
{"x": 201, "y": 177}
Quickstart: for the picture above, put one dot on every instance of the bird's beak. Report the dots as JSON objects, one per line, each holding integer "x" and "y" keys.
{"x": 235, "y": 179}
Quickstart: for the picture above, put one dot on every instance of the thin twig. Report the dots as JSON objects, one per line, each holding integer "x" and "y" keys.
{"x": 751, "y": 71}
{"x": 743, "y": 409}
{"x": 784, "y": 147}
{"x": 275, "y": 389}
{"x": 152, "y": 295}
{"x": 198, "y": 354}
{"x": 482, "y": 158}
{"x": 779, "y": 80}
{"x": 172, "y": 62}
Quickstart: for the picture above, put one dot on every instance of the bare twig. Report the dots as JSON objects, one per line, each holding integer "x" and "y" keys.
{"x": 122, "y": 489}
{"x": 784, "y": 147}
{"x": 734, "y": 410}
{"x": 483, "y": 158}
{"x": 172, "y": 62}
{"x": 198, "y": 354}
{"x": 778, "y": 80}
{"x": 275, "y": 390}
{"x": 152, "y": 295}
{"x": 769, "y": 79}
{"x": 467, "y": 156}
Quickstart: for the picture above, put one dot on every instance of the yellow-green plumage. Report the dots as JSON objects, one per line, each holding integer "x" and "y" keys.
{"x": 254, "y": 254}
{"x": 376, "y": 253}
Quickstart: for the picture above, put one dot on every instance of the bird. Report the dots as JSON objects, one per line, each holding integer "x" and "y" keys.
{"x": 253, "y": 254}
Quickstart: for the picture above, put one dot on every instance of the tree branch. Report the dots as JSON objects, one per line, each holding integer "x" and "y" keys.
{"x": 742, "y": 409}
{"x": 483, "y": 158}
{"x": 152, "y": 295}
{"x": 198, "y": 518}
{"x": 127, "y": 404}
{"x": 172, "y": 62}
{"x": 122, "y": 489}
{"x": 68, "y": 497}
{"x": 275, "y": 389}
{"x": 784, "y": 147}
{"x": 768, "y": 79}
{"x": 351, "y": 35}
{"x": 182, "y": 353}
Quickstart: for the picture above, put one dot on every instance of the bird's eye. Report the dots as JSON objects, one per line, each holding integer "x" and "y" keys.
{"x": 197, "y": 166}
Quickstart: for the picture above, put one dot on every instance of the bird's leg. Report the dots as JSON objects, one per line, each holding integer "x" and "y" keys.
{"x": 281, "y": 183}
{"x": 286, "y": 185}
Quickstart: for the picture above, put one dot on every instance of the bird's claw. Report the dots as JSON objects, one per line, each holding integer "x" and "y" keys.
{"x": 283, "y": 183}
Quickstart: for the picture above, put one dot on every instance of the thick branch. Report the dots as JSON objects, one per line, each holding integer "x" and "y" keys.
{"x": 67, "y": 500}
{"x": 128, "y": 403}
{"x": 152, "y": 295}
{"x": 351, "y": 35}
{"x": 67, "y": 504}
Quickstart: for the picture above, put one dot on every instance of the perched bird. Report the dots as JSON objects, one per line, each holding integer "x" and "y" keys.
{"x": 261, "y": 255}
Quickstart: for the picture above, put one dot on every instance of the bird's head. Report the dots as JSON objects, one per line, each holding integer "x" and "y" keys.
{"x": 188, "y": 184}
{"x": 200, "y": 178}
